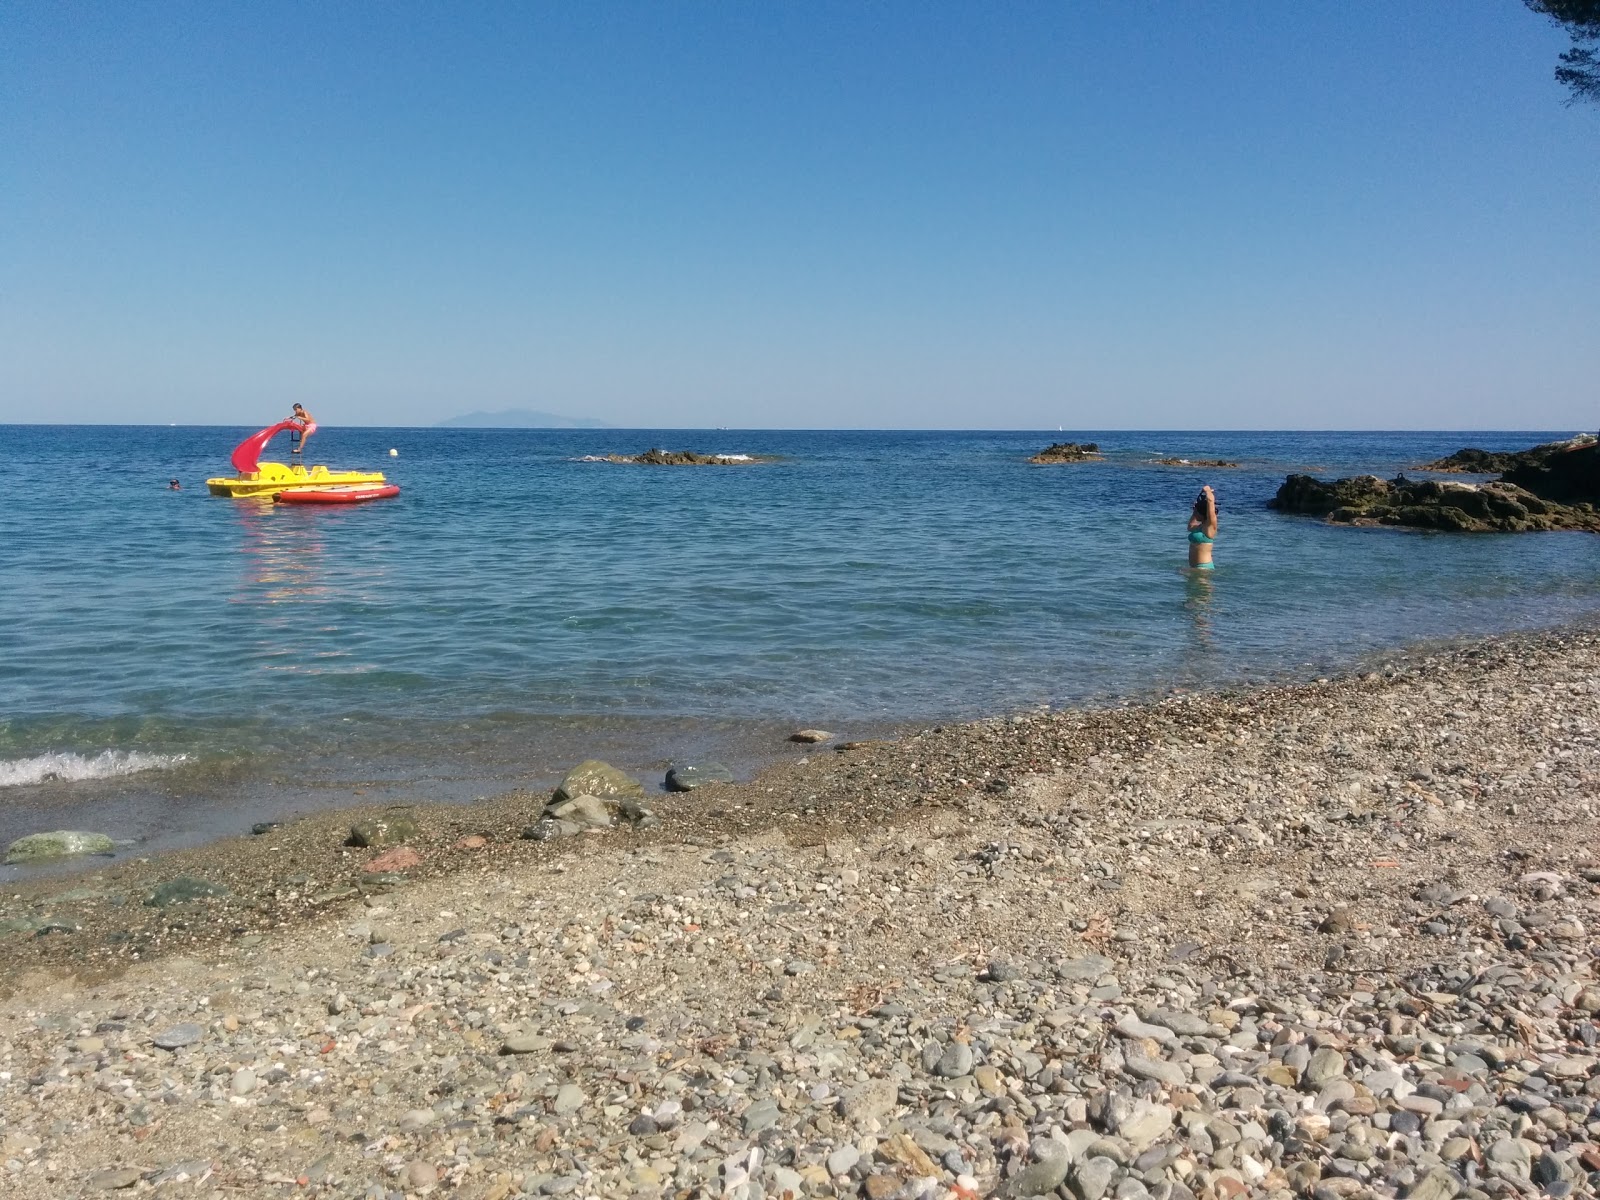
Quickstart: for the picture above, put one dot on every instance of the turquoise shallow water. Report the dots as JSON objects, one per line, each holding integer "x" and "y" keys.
{"x": 181, "y": 662}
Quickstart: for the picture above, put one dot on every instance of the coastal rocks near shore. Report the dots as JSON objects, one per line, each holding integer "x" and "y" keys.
{"x": 1568, "y": 477}
{"x": 1220, "y": 463}
{"x": 61, "y": 843}
{"x": 1069, "y": 452}
{"x": 1548, "y": 487}
{"x": 1430, "y": 504}
{"x": 1332, "y": 940}
{"x": 595, "y": 778}
{"x": 680, "y": 458}
{"x": 394, "y": 828}
{"x": 1486, "y": 462}
{"x": 592, "y": 796}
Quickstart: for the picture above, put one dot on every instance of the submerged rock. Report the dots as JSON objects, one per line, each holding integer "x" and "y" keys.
{"x": 182, "y": 890}
{"x": 1069, "y": 452}
{"x": 692, "y": 775}
{"x": 1192, "y": 462}
{"x": 60, "y": 844}
{"x": 810, "y": 737}
{"x": 63, "y": 843}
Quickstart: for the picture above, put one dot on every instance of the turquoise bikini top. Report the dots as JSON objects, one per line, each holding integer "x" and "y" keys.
{"x": 1199, "y": 537}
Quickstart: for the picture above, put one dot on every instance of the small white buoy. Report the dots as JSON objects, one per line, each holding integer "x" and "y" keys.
{"x": 394, "y": 454}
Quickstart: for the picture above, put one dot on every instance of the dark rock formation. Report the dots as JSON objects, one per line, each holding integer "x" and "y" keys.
{"x": 1569, "y": 476}
{"x": 1069, "y": 452}
{"x": 1192, "y": 462}
{"x": 683, "y": 458}
{"x": 1429, "y": 504}
{"x": 1488, "y": 462}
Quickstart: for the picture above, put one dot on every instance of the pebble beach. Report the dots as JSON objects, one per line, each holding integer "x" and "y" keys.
{"x": 1337, "y": 939}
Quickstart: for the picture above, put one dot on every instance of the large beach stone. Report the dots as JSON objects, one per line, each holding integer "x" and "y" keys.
{"x": 1043, "y": 1177}
{"x": 569, "y": 1099}
{"x": 595, "y": 778}
{"x": 1087, "y": 969}
{"x": 63, "y": 843}
{"x": 955, "y": 1062}
{"x": 589, "y": 812}
{"x": 186, "y": 1033}
{"x": 1325, "y": 1065}
{"x": 391, "y": 829}
{"x": 692, "y": 775}
{"x": 1145, "y": 1124}
{"x": 1092, "y": 1177}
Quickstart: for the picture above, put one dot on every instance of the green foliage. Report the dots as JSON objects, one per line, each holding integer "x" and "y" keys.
{"x": 1579, "y": 71}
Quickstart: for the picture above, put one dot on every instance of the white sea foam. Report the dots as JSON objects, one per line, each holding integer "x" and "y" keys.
{"x": 18, "y": 772}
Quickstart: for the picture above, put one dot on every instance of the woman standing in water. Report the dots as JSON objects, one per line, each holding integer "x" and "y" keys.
{"x": 1202, "y": 530}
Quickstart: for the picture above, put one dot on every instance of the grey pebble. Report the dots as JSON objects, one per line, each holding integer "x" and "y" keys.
{"x": 175, "y": 1037}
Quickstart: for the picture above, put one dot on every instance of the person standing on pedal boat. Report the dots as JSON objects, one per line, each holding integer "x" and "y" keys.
{"x": 308, "y": 426}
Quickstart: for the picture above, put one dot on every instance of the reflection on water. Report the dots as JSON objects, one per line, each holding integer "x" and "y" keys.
{"x": 280, "y": 556}
{"x": 1198, "y": 595}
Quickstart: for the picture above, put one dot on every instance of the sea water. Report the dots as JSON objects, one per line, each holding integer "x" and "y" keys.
{"x": 174, "y": 665}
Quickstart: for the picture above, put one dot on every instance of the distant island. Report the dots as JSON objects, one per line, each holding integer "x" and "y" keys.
{"x": 520, "y": 418}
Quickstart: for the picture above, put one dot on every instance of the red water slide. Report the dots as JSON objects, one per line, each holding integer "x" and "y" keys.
{"x": 247, "y": 454}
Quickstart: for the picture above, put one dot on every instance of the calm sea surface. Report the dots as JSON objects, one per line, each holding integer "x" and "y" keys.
{"x": 174, "y": 665}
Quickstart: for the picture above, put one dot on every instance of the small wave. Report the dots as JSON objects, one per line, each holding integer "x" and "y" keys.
{"x": 47, "y": 768}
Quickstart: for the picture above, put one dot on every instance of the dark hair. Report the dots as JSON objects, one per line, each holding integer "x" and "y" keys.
{"x": 1200, "y": 507}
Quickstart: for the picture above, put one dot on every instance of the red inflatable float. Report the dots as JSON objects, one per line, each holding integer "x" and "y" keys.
{"x": 339, "y": 493}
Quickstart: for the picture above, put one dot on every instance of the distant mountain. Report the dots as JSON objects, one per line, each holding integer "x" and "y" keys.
{"x": 520, "y": 418}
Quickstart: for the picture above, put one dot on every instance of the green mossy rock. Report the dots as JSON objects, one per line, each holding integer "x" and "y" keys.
{"x": 595, "y": 778}
{"x": 392, "y": 829}
{"x": 63, "y": 843}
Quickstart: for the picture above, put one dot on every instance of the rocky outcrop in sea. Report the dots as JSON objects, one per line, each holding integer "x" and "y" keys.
{"x": 679, "y": 458}
{"x": 1430, "y": 504}
{"x": 1069, "y": 452}
{"x": 1487, "y": 462}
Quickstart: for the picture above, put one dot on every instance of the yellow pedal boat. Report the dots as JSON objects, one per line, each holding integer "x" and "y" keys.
{"x": 267, "y": 479}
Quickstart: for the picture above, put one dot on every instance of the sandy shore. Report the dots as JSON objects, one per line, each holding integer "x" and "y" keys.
{"x": 1331, "y": 940}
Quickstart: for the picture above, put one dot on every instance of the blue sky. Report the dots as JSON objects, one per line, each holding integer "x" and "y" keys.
{"x": 1190, "y": 213}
